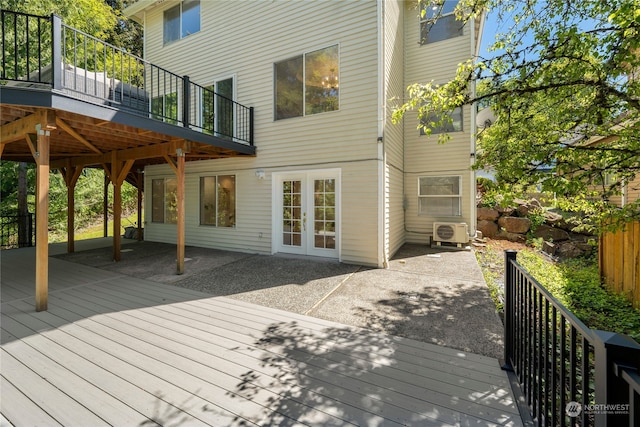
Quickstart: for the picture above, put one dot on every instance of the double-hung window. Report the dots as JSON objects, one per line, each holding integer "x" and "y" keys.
{"x": 307, "y": 84}
{"x": 218, "y": 200}
{"x": 164, "y": 200}
{"x": 437, "y": 22}
{"x": 181, "y": 20}
{"x": 452, "y": 122}
{"x": 440, "y": 196}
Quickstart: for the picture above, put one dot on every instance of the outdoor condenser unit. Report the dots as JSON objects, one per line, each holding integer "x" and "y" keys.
{"x": 450, "y": 232}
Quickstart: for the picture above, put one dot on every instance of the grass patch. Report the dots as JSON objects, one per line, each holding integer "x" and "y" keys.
{"x": 575, "y": 283}
{"x": 96, "y": 230}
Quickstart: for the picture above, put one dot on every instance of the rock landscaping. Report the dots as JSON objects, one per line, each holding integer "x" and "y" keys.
{"x": 527, "y": 220}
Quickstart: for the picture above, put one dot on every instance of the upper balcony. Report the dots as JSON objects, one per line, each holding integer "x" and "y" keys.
{"x": 88, "y": 83}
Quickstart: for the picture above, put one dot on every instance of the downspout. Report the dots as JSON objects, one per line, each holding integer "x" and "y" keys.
{"x": 383, "y": 256}
{"x": 473, "y": 213}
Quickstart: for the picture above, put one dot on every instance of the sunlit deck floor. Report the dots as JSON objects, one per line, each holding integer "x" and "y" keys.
{"x": 115, "y": 350}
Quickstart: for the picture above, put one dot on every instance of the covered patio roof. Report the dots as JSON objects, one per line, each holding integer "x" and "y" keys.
{"x": 70, "y": 101}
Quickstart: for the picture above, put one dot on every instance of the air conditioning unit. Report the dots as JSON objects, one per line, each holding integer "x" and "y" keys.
{"x": 450, "y": 232}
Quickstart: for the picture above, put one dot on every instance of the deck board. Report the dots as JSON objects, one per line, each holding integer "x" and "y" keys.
{"x": 113, "y": 349}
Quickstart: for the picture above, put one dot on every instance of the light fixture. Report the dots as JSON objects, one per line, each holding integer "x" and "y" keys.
{"x": 260, "y": 174}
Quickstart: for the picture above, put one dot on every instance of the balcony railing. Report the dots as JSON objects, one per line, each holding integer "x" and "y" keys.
{"x": 17, "y": 231}
{"x": 570, "y": 375}
{"x": 43, "y": 52}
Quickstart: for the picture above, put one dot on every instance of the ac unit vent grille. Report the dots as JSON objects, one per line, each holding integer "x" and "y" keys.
{"x": 452, "y": 232}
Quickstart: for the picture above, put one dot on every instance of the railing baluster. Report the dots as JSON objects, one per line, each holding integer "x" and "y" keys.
{"x": 555, "y": 394}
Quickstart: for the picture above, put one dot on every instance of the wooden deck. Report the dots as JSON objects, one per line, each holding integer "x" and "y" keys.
{"x": 115, "y": 350}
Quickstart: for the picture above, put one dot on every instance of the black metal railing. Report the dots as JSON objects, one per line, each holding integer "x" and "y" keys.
{"x": 43, "y": 51}
{"x": 17, "y": 231}
{"x": 570, "y": 375}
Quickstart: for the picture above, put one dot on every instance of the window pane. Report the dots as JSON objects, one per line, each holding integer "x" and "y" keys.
{"x": 208, "y": 200}
{"x": 157, "y": 200}
{"x": 171, "y": 108}
{"x": 190, "y": 17}
{"x": 289, "y": 96}
{"x": 226, "y": 201}
{"x": 157, "y": 107}
{"x": 454, "y": 126}
{"x": 440, "y": 186}
{"x": 445, "y": 25}
{"x": 439, "y": 206}
{"x": 171, "y": 201}
{"x": 208, "y": 113}
{"x": 225, "y": 107}
{"x": 321, "y": 83}
{"x": 171, "y": 24}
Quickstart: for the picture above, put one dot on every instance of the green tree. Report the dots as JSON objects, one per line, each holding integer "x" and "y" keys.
{"x": 562, "y": 76}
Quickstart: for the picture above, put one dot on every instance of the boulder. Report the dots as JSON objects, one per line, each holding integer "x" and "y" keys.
{"x": 523, "y": 210}
{"x": 569, "y": 249}
{"x": 506, "y": 211}
{"x": 488, "y": 228}
{"x": 512, "y": 237}
{"x": 514, "y": 224}
{"x": 552, "y": 217}
{"x": 487, "y": 214}
{"x": 549, "y": 248}
{"x": 546, "y": 232}
{"x": 534, "y": 203}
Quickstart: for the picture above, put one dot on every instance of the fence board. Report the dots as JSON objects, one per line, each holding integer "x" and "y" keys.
{"x": 619, "y": 259}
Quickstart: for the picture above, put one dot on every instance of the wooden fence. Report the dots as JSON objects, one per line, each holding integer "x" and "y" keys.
{"x": 619, "y": 262}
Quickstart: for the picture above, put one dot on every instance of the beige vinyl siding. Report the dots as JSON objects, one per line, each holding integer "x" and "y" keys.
{"x": 236, "y": 40}
{"x": 633, "y": 190}
{"x": 423, "y": 155}
{"x": 394, "y": 133}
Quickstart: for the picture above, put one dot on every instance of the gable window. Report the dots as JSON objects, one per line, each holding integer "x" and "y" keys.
{"x": 307, "y": 84}
{"x": 218, "y": 200}
{"x": 455, "y": 125}
{"x": 218, "y": 111}
{"x": 181, "y": 20}
{"x": 164, "y": 200}
{"x": 438, "y": 23}
{"x": 440, "y": 196}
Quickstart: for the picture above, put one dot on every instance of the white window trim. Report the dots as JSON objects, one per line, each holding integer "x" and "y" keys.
{"x": 426, "y": 20}
{"x": 180, "y": 37}
{"x": 435, "y": 196}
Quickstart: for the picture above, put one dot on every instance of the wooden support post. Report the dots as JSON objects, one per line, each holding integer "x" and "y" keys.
{"x": 71, "y": 175}
{"x": 42, "y": 218}
{"x": 117, "y": 174}
{"x": 117, "y": 206}
{"x": 140, "y": 187}
{"x": 181, "y": 213}
{"x": 105, "y": 204}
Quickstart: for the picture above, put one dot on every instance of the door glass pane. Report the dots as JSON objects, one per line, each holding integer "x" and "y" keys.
{"x": 324, "y": 228}
{"x": 291, "y": 213}
{"x": 225, "y": 107}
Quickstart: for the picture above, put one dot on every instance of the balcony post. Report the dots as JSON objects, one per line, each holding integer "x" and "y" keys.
{"x": 56, "y": 54}
{"x": 186, "y": 101}
{"x": 251, "y": 126}
{"x": 509, "y": 315}
{"x": 613, "y": 352}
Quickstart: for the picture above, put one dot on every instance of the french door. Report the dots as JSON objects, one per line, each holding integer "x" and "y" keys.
{"x": 307, "y": 213}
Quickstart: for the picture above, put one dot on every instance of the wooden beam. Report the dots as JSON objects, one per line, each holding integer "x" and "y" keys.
{"x": 125, "y": 171}
{"x": 181, "y": 214}
{"x": 171, "y": 163}
{"x": 16, "y": 129}
{"x": 138, "y": 153}
{"x": 76, "y": 135}
{"x": 31, "y": 143}
{"x": 42, "y": 220}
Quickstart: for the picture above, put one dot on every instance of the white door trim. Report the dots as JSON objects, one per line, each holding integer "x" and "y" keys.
{"x": 307, "y": 177}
